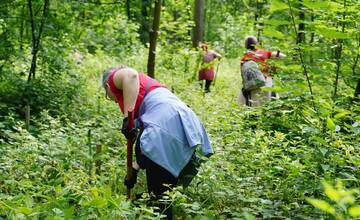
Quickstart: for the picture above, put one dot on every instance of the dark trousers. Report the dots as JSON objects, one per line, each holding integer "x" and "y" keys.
{"x": 247, "y": 95}
{"x": 207, "y": 85}
{"x": 159, "y": 180}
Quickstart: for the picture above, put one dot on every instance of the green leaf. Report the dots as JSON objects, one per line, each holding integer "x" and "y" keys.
{"x": 98, "y": 202}
{"x": 325, "y": 167}
{"x": 310, "y": 4}
{"x": 331, "y": 33}
{"x": 277, "y": 5}
{"x": 330, "y": 124}
{"x": 246, "y": 4}
{"x": 249, "y": 216}
{"x": 331, "y": 192}
{"x": 320, "y": 141}
{"x": 271, "y": 32}
{"x": 58, "y": 189}
{"x": 320, "y": 204}
{"x": 354, "y": 211}
{"x": 24, "y": 210}
{"x": 68, "y": 213}
{"x": 277, "y": 22}
{"x": 195, "y": 206}
{"x": 323, "y": 151}
{"x": 341, "y": 114}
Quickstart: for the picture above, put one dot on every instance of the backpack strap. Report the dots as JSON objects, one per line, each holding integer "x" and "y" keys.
{"x": 148, "y": 86}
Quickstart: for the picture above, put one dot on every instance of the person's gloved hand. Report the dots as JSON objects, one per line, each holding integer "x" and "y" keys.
{"x": 132, "y": 181}
{"x": 130, "y": 135}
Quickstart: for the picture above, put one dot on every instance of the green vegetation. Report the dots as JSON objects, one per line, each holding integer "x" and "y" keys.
{"x": 297, "y": 157}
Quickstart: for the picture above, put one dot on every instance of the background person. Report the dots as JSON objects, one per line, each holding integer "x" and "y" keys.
{"x": 257, "y": 97}
{"x": 207, "y": 71}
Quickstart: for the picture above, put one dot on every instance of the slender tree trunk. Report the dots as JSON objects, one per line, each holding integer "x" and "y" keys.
{"x": 35, "y": 49}
{"x": 312, "y": 38}
{"x": 128, "y": 12}
{"x": 153, "y": 39}
{"x": 189, "y": 13}
{"x": 144, "y": 21}
{"x": 198, "y": 31}
{"x": 338, "y": 52}
{"x": 22, "y": 27}
{"x": 36, "y": 39}
{"x": 257, "y": 17}
{"x": 356, "y": 60}
{"x": 207, "y": 22}
{"x": 27, "y": 117}
{"x": 357, "y": 90}
{"x": 90, "y": 163}
{"x": 33, "y": 36}
{"x": 301, "y": 32}
{"x": 98, "y": 162}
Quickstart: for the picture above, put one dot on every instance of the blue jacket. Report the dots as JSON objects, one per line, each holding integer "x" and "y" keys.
{"x": 171, "y": 131}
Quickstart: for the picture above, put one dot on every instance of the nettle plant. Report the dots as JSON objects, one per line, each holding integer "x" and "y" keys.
{"x": 342, "y": 204}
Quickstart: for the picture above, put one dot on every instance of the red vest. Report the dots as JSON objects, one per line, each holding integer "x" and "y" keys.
{"x": 147, "y": 84}
{"x": 259, "y": 56}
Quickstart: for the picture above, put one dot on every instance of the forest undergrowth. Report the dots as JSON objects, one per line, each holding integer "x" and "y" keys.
{"x": 273, "y": 162}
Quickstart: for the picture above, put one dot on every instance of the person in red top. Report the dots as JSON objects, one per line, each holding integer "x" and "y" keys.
{"x": 168, "y": 133}
{"x": 260, "y": 56}
{"x": 206, "y": 71}
{"x": 145, "y": 85}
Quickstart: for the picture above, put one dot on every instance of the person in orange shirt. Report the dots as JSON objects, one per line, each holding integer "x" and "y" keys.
{"x": 260, "y": 56}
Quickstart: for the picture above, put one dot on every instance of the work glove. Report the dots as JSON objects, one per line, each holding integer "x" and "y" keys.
{"x": 130, "y": 135}
{"x": 132, "y": 181}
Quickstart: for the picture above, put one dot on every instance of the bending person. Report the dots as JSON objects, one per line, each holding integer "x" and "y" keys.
{"x": 257, "y": 97}
{"x": 169, "y": 131}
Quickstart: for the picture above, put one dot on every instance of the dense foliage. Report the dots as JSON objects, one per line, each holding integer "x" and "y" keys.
{"x": 296, "y": 157}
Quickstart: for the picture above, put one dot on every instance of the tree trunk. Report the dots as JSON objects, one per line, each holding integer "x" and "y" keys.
{"x": 33, "y": 36}
{"x": 338, "y": 52}
{"x": 144, "y": 22}
{"x": 198, "y": 31}
{"x": 36, "y": 39}
{"x": 35, "y": 49}
{"x": 153, "y": 38}
{"x": 206, "y": 22}
{"x": 357, "y": 90}
{"x": 257, "y": 17}
{"x": 98, "y": 162}
{"x": 128, "y": 9}
{"x": 301, "y": 33}
{"x": 312, "y": 38}
{"x": 27, "y": 117}
{"x": 356, "y": 60}
{"x": 22, "y": 27}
